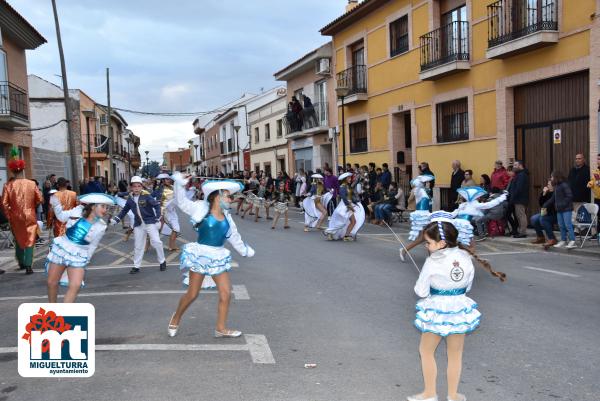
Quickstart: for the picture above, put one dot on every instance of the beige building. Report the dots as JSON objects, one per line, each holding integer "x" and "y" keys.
{"x": 311, "y": 142}
{"x": 269, "y": 149}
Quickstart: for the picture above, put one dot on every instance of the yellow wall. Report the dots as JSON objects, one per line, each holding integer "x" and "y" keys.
{"x": 395, "y": 81}
{"x": 478, "y": 156}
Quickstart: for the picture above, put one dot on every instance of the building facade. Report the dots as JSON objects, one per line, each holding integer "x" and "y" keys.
{"x": 178, "y": 160}
{"x": 16, "y": 36}
{"x": 474, "y": 80}
{"x": 269, "y": 149}
{"x": 309, "y": 80}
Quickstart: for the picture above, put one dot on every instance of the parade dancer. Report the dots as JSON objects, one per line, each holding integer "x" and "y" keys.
{"x": 315, "y": 205}
{"x": 281, "y": 199}
{"x": 68, "y": 201}
{"x": 349, "y": 216}
{"x": 121, "y": 200}
{"x": 208, "y": 257}
{"x": 73, "y": 250}
{"x": 250, "y": 189}
{"x": 258, "y": 201}
{"x": 444, "y": 310}
{"x": 168, "y": 211}
{"x": 469, "y": 208}
{"x": 420, "y": 217}
{"x": 20, "y": 198}
{"x": 146, "y": 211}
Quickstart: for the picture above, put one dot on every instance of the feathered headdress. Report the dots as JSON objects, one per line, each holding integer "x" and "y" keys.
{"x": 16, "y": 164}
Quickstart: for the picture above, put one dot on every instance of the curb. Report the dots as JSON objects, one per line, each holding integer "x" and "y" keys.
{"x": 576, "y": 252}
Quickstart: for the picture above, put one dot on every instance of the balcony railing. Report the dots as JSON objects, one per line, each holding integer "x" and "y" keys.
{"x": 101, "y": 140}
{"x": 308, "y": 118}
{"x": 444, "y": 45}
{"x": 354, "y": 78}
{"x": 511, "y": 19}
{"x": 13, "y": 100}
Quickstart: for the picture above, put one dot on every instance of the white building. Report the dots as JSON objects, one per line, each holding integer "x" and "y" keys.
{"x": 268, "y": 137}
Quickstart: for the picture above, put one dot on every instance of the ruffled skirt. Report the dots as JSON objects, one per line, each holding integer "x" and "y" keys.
{"x": 340, "y": 220}
{"x": 465, "y": 231}
{"x": 63, "y": 252}
{"x": 418, "y": 220}
{"x": 444, "y": 315}
{"x": 204, "y": 259}
{"x": 281, "y": 207}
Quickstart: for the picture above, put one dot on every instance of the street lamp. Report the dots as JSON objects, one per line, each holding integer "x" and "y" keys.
{"x": 128, "y": 140}
{"x": 342, "y": 91}
{"x": 147, "y": 166}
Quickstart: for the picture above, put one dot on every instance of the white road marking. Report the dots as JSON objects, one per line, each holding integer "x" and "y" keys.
{"x": 550, "y": 271}
{"x": 256, "y": 345}
{"x": 506, "y": 253}
{"x": 239, "y": 292}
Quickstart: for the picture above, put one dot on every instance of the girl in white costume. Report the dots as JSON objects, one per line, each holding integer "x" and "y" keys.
{"x": 420, "y": 217}
{"x": 469, "y": 208}
{"x": 348, "y": 217}
{"x": 315, "y": 205}
{"x": 444, "y": 310}
{"x": 73, "y": 251}
{"x": 208, "y": 256}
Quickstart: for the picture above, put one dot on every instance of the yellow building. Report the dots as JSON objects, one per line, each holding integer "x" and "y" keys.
{"x": 473, "y": 80}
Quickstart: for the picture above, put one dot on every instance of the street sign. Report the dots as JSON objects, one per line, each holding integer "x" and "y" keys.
{"x": 557, "y": 136}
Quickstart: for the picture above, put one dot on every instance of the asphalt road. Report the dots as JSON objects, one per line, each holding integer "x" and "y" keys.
{"x": 346, "y": 307}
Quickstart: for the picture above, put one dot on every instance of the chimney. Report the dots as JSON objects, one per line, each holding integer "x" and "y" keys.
{"x": 351, "y": 5}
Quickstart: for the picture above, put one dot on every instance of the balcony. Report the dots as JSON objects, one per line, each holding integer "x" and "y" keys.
{"x": 354, "y": 78}
{"x": 516, "y": 26}
{"x": 99, "y": 150}
{"x": 309, "y": 121}
{"x": 13, "y": 106}
{"x": 136, "y": 160}
{"x": 445, "y": 51}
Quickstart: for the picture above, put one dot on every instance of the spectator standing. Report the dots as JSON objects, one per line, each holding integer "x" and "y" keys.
{"x": 486, "y": 183}
{"x": 458, "y": 176}
{"x": 386, "y": 177}
{"x": 562, "y": 200}
{"x": 372, "y": 177}
{"x": 579, "y": 177}
{"x": 518, "y": 190}
{"x": 500, "y": 177}
{"x": 424, "y": 168}
{"x": 331, "y": 184}
{"x": 594, "y": 185}
{"x": 95, "y": 186}
{"x": 544, "y": 221}
{"x": 468, "y": 181}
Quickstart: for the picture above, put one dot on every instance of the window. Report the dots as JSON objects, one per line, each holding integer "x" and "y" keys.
{"x": 453, "y": 121}
{"x": 279, "y": 128}
{"x": 358, "y": 137}
{"x": 256, "y": 135}
{"x": 267, "y": 132}
{"x": 399, "y": 36}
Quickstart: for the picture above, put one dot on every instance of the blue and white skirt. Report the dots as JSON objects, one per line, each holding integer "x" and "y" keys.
{"x": 418, "y": 221}
{"x": 206, "y": 260}
{"x": 447, "y": 314}
{"x": 465, "y": 231}
{"x": 63, "y": 252}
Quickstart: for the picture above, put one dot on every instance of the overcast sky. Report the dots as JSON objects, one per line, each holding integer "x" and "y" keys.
{"x": 175, "y": 56}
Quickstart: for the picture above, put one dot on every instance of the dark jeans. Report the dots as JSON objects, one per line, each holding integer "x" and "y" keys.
{"x": 511, "y": 219}
{"x": 543, "y": 224}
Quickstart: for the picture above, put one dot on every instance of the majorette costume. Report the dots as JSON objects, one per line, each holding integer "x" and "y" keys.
{"x": 446, "y": 277}
{"x": 261, "y": 196}
{"x": 281, "y": 200}
{"x": 20, "y": 199}
{"x": 420, "y": 217}
{"x": 76, "y": 247}
{"x": 166, "y": 196}
{"x": 68, "y": 200}
{"x": 207, "y": 255}
{"x": 146, "y": 212}
{"x": 312, "y": 214}
{"x": 469, "y": 208}
{"x": 340, "y": 219}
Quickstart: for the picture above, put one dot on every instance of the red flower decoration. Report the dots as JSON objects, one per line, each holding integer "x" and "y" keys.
{"x": 17, "y": 165}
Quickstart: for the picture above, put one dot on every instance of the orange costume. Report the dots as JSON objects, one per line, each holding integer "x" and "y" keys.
{"x": 68, "y": 200}
{"x": 19, "y": 200}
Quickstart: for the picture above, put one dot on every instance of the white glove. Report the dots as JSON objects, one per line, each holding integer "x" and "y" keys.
{"x": 113, "y": 221}
{"x": 249, "y": 251}
{"x": 179, "y": 179}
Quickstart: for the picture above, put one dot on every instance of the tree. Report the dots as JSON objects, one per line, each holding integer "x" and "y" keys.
{"x": 152, "y": 169}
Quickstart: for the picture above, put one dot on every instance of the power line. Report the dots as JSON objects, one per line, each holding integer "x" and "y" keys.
{"x": 39, "y": 128}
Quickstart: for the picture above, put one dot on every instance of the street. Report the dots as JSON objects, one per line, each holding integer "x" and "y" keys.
{"x": 346, "y": 307}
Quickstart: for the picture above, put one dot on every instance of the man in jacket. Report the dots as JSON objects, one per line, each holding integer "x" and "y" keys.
{"x": 518, "y": 191}
{"x": 386, "y": 177}
{"x": 579, "y": 177}
{"x": 458, "y": 175}
{"x": 146, "y": 211}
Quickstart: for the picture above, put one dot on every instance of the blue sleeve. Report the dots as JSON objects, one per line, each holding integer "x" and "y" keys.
{"x": 125, "y": 209}
{"x": 156, "y": 206}
{"x": 344, "y": 195}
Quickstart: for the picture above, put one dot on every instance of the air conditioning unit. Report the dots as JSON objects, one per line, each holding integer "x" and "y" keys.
{"x": 323, "y": 66}
{"x": 104, "y": 119}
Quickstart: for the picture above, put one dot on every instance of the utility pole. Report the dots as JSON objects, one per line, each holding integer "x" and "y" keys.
{"x": 71, "y": 135}
{"x": 110, "y": 138}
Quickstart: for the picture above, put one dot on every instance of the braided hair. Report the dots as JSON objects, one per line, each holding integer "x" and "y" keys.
{"x": 443, "y": 230}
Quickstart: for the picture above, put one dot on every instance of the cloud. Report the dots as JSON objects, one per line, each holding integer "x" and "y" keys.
{"x": 188, "y": 55}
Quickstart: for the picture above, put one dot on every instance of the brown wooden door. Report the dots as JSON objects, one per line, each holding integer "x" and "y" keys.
{"x": 538, "y": 160}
